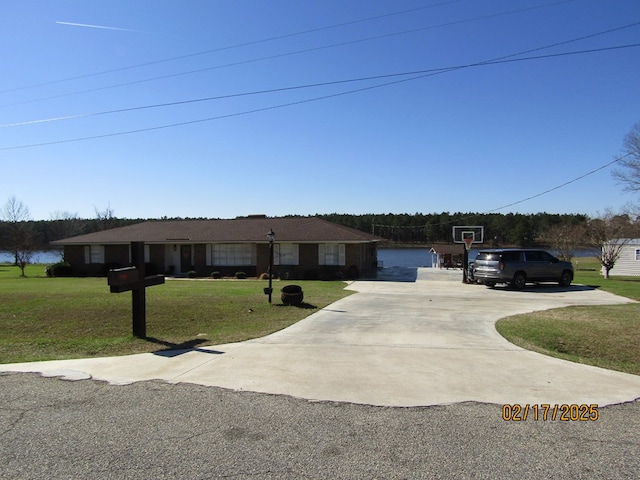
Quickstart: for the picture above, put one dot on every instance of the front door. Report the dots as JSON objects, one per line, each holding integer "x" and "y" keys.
{"x": 185, "y": 258}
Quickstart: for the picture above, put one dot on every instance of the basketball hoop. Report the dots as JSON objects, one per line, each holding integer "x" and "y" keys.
{"x": 467, "y": 243}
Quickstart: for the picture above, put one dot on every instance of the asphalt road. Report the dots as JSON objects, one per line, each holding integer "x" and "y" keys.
{"x": 57, "y": 429}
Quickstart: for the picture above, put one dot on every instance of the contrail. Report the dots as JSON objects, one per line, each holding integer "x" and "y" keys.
{"x": 94, "y": 26}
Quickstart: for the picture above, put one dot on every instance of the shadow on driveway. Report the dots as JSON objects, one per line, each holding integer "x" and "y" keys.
{"x": 397, "y": 274}
{"x": 545, "y": 288}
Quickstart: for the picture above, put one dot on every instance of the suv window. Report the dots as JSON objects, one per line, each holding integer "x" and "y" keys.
{"x": 510, "y": 256}
{"x": 547, "y": 257}
{"x": 539, "y": 257}
{"x": 534, "y": 256}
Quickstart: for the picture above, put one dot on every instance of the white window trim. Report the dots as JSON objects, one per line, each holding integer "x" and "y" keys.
{"x": 286, "y": 254}
{"x": 93, "y": 254}
{"x": 637, "y": 254}
{"x": 322, "y": 253}
{"x": 238, "y": 257}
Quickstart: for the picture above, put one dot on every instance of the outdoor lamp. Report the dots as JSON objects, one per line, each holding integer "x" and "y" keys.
{"x": 271, "y": 237}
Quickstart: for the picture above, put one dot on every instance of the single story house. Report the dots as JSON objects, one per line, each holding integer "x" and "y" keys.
{"x": 628, "y": 263}
{"x": 304, "y": 248}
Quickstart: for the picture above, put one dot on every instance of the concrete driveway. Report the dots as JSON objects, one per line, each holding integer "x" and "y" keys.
{"x": 426, "y": 342}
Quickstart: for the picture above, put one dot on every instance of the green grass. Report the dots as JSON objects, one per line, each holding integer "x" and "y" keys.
{"x": 604, "y": 336}
{"x": 54, "y": 318}
{"x": 49, "y": 318}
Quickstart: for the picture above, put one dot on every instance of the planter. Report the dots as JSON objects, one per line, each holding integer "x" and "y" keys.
{"x": 291, "y": 295}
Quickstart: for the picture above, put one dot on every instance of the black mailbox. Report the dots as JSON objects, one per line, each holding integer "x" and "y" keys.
{"x": 123, "y": 276}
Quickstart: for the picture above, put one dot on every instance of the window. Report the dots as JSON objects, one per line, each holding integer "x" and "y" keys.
{"x": 510, "y": 256}
{"x": 94, "y": 254}
{"x": 286, "y": 254}
{"x": 637, "y": 254}
{"x": 147, "y": 254}
{"x": 231, "y": 254}
{"x": 331, "y": 254}
{"x": 534, "y": 256}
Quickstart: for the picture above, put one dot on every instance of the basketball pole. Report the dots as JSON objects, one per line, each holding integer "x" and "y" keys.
{"x": 465, "y": 259}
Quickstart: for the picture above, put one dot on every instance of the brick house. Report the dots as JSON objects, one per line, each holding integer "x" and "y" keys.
{"x": 304, "y": 248}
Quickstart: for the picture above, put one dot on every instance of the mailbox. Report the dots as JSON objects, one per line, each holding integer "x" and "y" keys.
{"x": 119, "y": 277}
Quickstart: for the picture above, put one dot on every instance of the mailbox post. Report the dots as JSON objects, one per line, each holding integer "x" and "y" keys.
{"x": 138, "y": 295}
{"x": 134, "y": 279}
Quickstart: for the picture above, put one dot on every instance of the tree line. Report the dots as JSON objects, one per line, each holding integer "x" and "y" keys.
{"x": 500, "y": 229}
{"x": 511, "y": 229}
{"x": 565, "y": 233}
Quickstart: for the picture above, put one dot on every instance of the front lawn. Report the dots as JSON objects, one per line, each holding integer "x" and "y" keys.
{"x": 604, "y": 336}
{"x": 53, "y": 318}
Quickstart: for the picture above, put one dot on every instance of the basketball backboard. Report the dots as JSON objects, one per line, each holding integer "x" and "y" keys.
{"x": 462, "y": 233}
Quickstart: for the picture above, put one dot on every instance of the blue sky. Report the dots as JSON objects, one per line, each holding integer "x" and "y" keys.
{"x": 473, "y": 139}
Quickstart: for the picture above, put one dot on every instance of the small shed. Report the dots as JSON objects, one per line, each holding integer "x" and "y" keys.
{"x": 447, "y": 256}
{"x": 628, "y": 263}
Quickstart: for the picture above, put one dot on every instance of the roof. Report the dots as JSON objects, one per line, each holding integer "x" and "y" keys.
{"x": 240, "y": 230}
{"x": 626, "y": 241}
{"x": 447, "y": 249}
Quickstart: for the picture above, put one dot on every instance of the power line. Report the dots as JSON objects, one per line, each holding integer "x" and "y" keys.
{"x": 281, "y": 55}
{"x": 557, "y": 187}
{"x": 239, "y": 45}
{"x": 418, "y": 75}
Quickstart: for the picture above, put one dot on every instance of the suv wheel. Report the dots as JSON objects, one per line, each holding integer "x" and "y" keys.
{"x": 519, "y": 281}
{"x": 565, "y": 278}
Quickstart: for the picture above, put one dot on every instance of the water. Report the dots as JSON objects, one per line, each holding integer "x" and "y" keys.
{"x": 37, "y": 257}
{"x": 420, "y": 257}
{"x": 405, "y": 257}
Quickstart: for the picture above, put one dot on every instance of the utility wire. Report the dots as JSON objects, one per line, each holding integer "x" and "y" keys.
{"x": 557, "y": 187}
{"x": 239, "y": 45}
{"x": 321, "y": 84}
{"x": 274, "y": 107}
{"x": 297, "y": 52}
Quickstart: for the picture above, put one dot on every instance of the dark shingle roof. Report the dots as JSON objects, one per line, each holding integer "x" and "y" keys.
{"x": 447, "y": 249}
{"x": 252, "y": 230}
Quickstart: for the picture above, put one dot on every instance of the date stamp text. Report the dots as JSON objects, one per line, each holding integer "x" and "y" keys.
{"x": 549, "y": 412}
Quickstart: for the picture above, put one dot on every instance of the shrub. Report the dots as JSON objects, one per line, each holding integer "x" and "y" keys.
{"x": 216, "y": 275}
{"x": 192, "y": 274}
{"x": 241, "y": 275}
{"x": 60, "y": 269}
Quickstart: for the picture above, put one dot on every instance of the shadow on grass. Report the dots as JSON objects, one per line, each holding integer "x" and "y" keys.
{"x": 304, "y": 305}
{"x": 175, "y": 349}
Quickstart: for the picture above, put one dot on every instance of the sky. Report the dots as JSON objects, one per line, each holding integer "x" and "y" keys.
{"x": 226, "y": 108}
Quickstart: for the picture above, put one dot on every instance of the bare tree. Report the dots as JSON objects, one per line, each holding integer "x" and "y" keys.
{"x": 629, "y": 172}
{"x": 65, "y": 225}
{"x": 610, "y": 233}
{"x": 105, "y": 219}
{"x": 20, "y": 240}
{"x": 565, "y": 239}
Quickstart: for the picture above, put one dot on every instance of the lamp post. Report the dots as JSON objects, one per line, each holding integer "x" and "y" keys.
{"x": 271, "y": 237}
